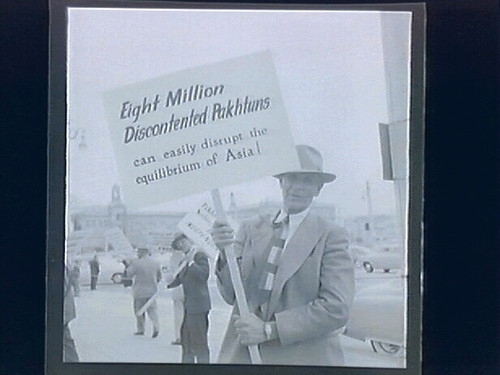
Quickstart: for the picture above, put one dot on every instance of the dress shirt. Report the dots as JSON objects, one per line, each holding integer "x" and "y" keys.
{"x": 294, "y": 221}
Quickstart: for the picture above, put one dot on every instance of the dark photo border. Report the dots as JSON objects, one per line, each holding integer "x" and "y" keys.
{"x": 461, "y": 314}
{"x": 56, "y": 214}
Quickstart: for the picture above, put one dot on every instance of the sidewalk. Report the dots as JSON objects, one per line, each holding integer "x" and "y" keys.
{"x": 105, "y": 323}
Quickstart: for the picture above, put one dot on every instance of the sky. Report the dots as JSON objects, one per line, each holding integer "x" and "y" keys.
{"x": 330, "y": 67}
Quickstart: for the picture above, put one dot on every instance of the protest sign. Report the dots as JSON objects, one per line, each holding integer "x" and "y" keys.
{"x": 197, "y": 225}
{"x": 199, "y": 129}
{"x": 118, "y": 240}
{"x": 158, "y": 240}
{"x": 75, "y": 242}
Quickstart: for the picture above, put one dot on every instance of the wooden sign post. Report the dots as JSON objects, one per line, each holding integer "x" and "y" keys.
{"x": 234, "y": 272}
{"x": 200, "y": 129}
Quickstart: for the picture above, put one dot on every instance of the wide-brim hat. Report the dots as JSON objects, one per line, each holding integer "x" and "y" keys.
{"x": 311, "y": 161}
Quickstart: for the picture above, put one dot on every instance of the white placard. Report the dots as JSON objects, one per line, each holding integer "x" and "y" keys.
{"x": 197, "y": 225}
{"x": 199, "y": 129}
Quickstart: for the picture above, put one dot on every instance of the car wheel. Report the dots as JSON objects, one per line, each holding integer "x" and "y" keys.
{"x": 383, "y": 347}
{"x": 368, "y": 267}
{"x": 117, "y": 278}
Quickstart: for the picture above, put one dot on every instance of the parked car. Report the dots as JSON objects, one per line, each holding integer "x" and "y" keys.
{"x": 121, "y": 278}
{"x": 377, "y": 316}
{"x": 111, "y": 269}
{"x": 382, "y": 257}
{"x": 358, "y": 252}
{"x": 112, "y": 266}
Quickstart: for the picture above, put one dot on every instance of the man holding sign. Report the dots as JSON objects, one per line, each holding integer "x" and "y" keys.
{"x": 193, "y": 275}
{"x": 297, "y": 275}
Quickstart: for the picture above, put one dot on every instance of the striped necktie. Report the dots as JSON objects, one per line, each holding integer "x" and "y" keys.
{"x": 273, "y": 257}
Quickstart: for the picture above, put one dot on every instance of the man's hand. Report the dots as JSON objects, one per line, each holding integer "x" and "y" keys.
{"x": 222, "y": 234}
{"x": 250, "y": 330}
{"x": 168, "y": 277}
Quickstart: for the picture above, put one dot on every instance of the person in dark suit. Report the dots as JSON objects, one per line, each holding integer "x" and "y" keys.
{"x": 297, "y": 274}
{"x": 94, "y": 272}
{"x": 193, "y": 275}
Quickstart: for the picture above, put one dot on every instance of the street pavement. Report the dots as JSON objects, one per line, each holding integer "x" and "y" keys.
{"x": 105, "y": 323}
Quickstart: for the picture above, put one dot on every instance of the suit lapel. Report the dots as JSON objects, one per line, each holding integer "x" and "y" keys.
{"x": 296, "y": 251}
{"x": 264, "y": 235}
{"x": 260, "y": 236}
{"x": 254, "y": 261}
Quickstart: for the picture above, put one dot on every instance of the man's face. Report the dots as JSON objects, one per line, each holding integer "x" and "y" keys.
{"x": 298, "y": 190}
{"x": 185, "y": 245}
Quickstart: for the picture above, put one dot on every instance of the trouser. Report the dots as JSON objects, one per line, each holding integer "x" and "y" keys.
{"x": 194, "y": 339}
{"x": 93, "y": 282}
{"x": 152, "y": 311}
{"x": 69, "y": 349}
{"x": 76, "y": 287}
{"x": 178, "y": 317}
{"x": 190, "y": 357}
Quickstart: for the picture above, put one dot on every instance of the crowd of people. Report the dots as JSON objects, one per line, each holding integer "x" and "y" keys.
{"x": 295, "y": 269}
{"x": 187, "y": 279}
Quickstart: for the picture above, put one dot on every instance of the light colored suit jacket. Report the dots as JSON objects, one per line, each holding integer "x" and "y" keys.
{"x": 311, "y": 296}
{"x": 175, "y": 260}
{"x": 146, "y": 273}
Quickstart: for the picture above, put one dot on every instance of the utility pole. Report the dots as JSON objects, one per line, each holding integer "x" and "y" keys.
{"x": 370, "y": 223}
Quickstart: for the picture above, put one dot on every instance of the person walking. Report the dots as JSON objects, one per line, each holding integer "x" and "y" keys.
{"x": 146, "y": 274}
{"x": 74, "y": 278}
{"x": 193, "y": 277}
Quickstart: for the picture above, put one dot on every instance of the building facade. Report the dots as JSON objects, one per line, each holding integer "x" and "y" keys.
{"x": 89, "y": 225}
